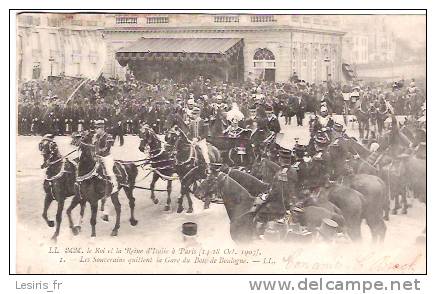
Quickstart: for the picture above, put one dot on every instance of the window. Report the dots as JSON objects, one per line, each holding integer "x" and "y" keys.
{"x": 54, "y": 22}
{"x": 126, "y": 20}
{"x": 31, "y": 20}
{"x": 157, "y": 19}
{"x": 93, "y": 56}
{"x": 54, "y": 46}
{"x": 263, "y": 18}
{"x": 36, "y": 44}
{"x": 77, "y": 47}
{"x": 307, "y": 19}
{"x": 226, "y": 18}
{"x": 20, "y": 45}
{"x": 264, "y": 59}
{"x": 263, "y": 54}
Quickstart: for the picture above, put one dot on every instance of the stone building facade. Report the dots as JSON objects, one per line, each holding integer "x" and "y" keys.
{"x": 275, "y": 46}
{"x": 85, "y": 45}
{"x": 59, "y": 44}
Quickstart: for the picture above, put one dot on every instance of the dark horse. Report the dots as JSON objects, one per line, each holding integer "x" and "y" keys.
{"x": 58, "y": 184}
{"x": 92, "y": 184}
{"x": 162, "y": 162}
{"x": 239, "y": 203}
{"x": 190, "y": 165}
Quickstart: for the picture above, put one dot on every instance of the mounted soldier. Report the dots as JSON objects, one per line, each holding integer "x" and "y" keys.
{"x": 187, "y": 112}
{"x": 103, "y": 143}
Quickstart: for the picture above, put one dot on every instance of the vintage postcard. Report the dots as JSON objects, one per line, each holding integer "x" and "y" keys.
{"x": 220, "y": 143}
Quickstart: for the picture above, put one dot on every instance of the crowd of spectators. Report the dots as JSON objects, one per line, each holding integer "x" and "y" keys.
{"x": 63, "y": 105}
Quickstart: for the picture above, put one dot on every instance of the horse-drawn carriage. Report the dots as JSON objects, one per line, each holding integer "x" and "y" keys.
{"x": 235, "y": 147}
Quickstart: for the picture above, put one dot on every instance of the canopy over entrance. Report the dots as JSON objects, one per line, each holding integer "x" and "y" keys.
{"x": 222, "y": 56}
{"x": 180, "y": 49}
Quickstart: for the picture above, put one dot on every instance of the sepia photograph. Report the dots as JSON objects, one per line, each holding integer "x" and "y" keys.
{"x": 244, "y": 142}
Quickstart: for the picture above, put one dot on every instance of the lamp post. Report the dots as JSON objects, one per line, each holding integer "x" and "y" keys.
{"x": 51, "y": 59}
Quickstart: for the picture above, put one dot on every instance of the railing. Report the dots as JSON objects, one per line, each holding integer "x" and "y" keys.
{"x": 263, "y": 18}
{"x": 158, "y": 19}
{"x": 126, "y": 20}
{"x": 226, "y": 18}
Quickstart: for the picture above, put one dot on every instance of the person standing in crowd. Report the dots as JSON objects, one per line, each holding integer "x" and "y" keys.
{"x": 300, "y": 109}
{"x": 273, "y": 121}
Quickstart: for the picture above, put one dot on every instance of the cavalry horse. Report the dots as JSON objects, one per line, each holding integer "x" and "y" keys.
{"x": 189, "y": 165}
{"x": 92, "y": 184}
{"x": 161, "y": 161}
{"x": 183, "y": 159}
{"x": 58, "y": 184}
{"x": 242, "y": 207}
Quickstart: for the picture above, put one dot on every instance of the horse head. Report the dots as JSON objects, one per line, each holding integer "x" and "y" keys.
{"x": 171, "y": 137}
{"x": 207, "y": 187}
{"x": 49, "y": 151}
{"x": 85, "y": 143}
{"x": 147, "y": 137}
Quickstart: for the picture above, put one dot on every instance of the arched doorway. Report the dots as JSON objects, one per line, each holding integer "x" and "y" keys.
{"x": 264, "y": 62}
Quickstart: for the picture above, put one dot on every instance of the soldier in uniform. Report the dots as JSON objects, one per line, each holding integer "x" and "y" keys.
{"x": 103, "y": 143}
{"x": 372, "y": 114}
{"x": 188, "y": 116}
{"x": 199, "y": 130}
{"x": 382, "y": 113}
{"x": 219, "y": 105}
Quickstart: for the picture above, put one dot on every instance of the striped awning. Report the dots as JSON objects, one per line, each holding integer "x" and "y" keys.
{"x": 180, "y": 49}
